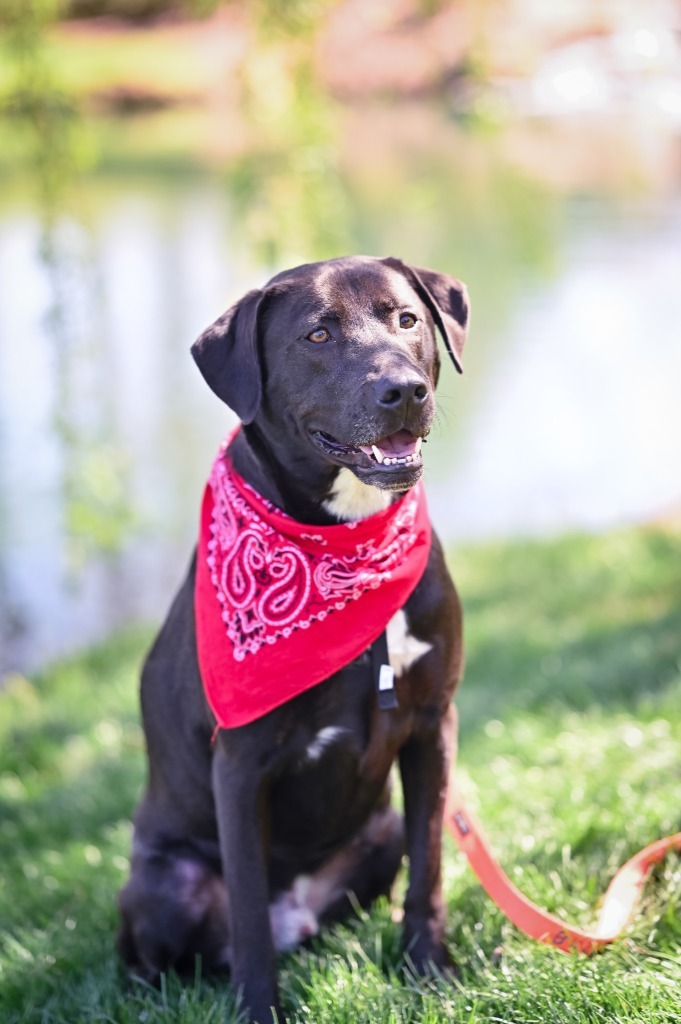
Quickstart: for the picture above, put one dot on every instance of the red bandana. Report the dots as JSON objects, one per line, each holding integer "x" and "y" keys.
{"x": 281, "y": 606}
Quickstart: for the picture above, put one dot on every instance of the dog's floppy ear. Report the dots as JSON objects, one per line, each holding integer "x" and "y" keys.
{"x": 227, "y": 356}
{"x": 446, "y": 298}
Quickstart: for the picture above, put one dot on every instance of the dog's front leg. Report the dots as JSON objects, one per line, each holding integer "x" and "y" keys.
{"x": 239, "y": 801}
{"x": 424, "y": 767}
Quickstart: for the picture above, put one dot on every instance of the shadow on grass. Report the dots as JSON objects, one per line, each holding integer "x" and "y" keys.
{"x": 576, "y": 623}
{"x": 614, "y": 667}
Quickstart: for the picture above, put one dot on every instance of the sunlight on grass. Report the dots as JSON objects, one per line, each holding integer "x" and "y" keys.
{"x": 570, "y": 753}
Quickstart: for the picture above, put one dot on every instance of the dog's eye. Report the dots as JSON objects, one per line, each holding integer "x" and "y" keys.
{"x": 407, "y": 320}
{"x": 319, "y": 336}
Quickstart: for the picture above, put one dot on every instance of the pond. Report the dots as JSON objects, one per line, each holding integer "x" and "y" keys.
{"x": 568, "y": 416}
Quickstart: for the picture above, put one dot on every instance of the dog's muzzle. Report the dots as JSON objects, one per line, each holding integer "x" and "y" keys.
{"x": 395, "y": 450}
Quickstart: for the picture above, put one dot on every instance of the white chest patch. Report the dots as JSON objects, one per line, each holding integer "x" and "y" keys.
{"x": 403, "y": 648}
{"x": 351, "y": 499}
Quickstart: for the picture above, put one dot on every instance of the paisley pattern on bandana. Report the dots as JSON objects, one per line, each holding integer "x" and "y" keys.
{"x": 281, "y": 605}
{"x": 268, "y": 585}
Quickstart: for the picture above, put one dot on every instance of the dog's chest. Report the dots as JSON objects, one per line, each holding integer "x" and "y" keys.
{"x": 326, "y": 790}
{"x": 338, "y": 747}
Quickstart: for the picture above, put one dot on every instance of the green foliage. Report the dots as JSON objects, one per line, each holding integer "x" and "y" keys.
{"x": 42, "y": 113}
{"x": 570, "y": 724}
{"x": 131, "y": 10}
{"x": 291, "y": 20}
{"x": 290, "y": 199}
{"x": 54, "y": 144}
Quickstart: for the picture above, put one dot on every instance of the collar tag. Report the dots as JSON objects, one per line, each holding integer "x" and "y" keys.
{"x": 385, "y": 694}
{"x": 384, "y": 675}
{"x": 386, "y": 678}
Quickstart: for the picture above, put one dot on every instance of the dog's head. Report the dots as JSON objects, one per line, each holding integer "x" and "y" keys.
{"x": 343, "y": 356}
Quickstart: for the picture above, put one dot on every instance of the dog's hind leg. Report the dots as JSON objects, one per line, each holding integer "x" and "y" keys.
{"x": 173, "y": 910}
{"x": 363, "y": 870}
{"x": 357, "y": 875}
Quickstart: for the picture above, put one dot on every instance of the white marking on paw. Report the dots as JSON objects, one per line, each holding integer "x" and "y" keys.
{"x": 291, "y": 919}
{"x": 324, "y": 738}
{"x": 404, "y": 648}
{"x": 352, "y": 499}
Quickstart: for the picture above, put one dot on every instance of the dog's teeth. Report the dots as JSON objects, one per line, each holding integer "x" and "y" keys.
{"x": 398, "y": 460}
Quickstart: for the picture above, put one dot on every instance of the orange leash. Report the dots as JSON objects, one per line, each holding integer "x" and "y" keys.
{"x": 618, "y": 903}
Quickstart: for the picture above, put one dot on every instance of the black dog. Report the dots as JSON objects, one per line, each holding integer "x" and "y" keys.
{"x": 245, "y": 845}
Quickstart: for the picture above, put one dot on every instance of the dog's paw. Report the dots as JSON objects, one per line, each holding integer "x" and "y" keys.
{"x": 424, "y": 958}
{"x": 292, "y": 921}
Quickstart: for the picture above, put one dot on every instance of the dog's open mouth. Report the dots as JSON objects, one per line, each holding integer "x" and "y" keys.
{"x": 399, "y": 449}
{"x": 395, "y": 450}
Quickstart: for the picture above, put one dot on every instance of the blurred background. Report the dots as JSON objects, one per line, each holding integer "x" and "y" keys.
{"x": 159, "y": 157}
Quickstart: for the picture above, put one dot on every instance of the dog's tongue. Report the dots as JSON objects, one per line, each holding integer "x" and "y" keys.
{"x": 395, "y": 446}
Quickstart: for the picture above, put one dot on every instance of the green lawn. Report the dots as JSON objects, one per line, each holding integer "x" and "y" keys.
{"x": 570, "y": 751}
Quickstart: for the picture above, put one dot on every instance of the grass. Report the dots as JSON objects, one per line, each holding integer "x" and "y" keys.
{"x": 570, "y": 751}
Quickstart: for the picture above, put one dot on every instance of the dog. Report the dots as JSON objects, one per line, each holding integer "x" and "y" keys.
{"x": 251, "y": 835}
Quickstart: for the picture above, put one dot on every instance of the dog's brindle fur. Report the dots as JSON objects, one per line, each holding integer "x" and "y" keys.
{"x": 225, "y": 830}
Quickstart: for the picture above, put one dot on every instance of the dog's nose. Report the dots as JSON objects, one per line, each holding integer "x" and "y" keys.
{"x": 396, "y": 394}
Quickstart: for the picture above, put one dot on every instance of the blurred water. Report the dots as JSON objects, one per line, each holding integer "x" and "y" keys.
{"x": 568, "y": 415}
{"x": 578, "y": 422}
